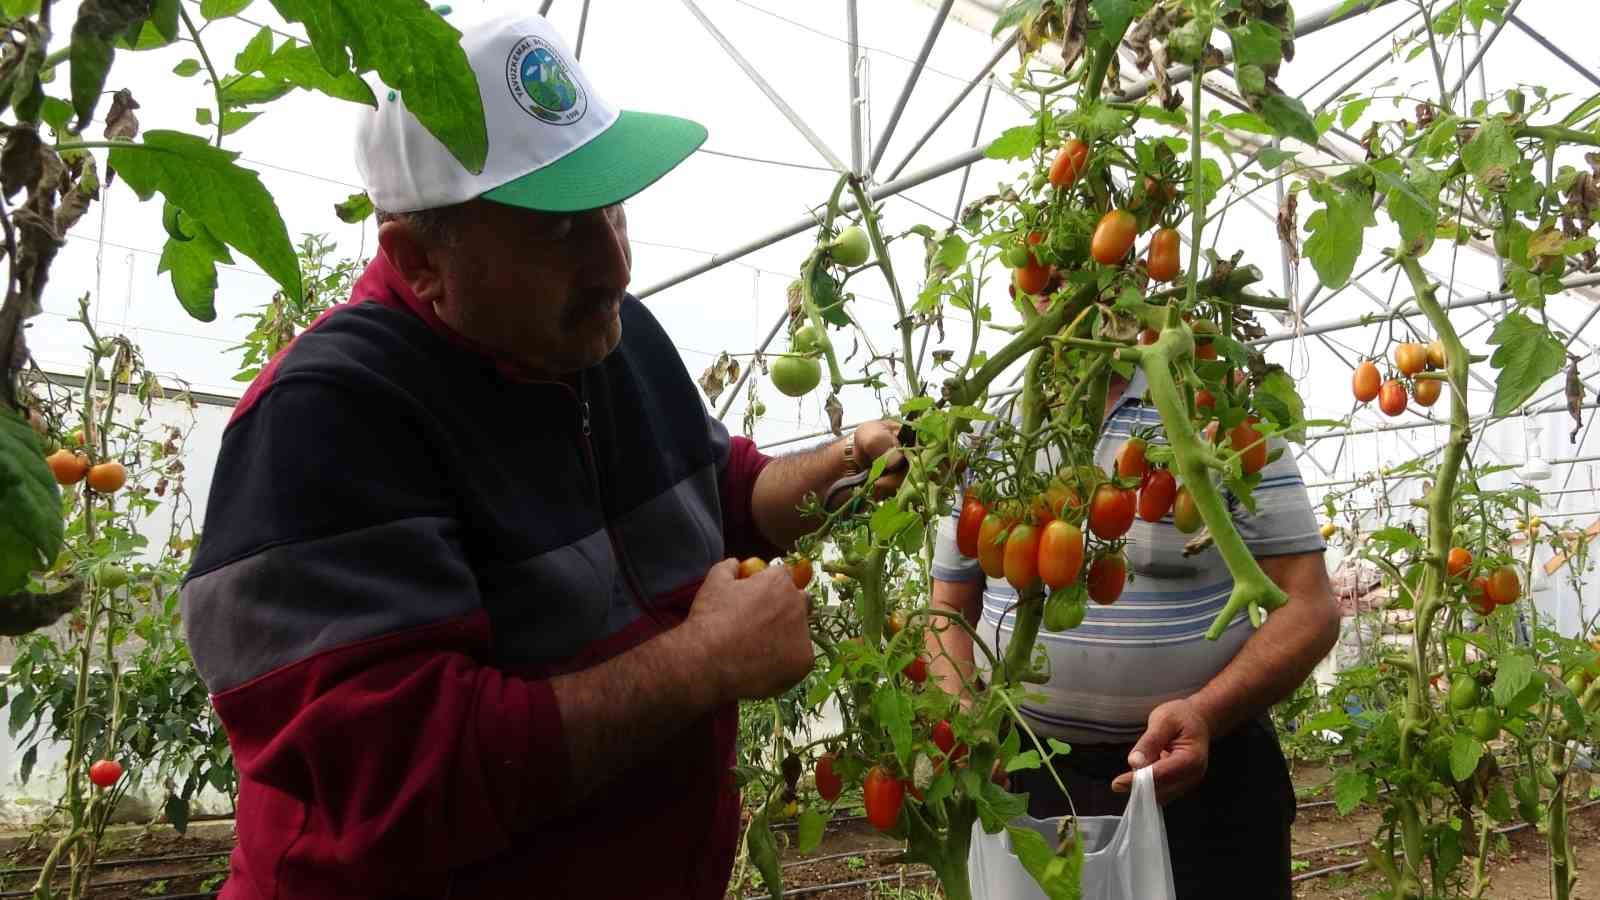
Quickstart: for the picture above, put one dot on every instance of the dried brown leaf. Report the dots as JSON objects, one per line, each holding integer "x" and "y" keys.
{"x": 121, "y": 123}
{"x": 835, "y": 411}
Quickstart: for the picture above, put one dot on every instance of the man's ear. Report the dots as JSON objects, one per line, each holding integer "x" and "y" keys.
{"x": 413, "y": 259}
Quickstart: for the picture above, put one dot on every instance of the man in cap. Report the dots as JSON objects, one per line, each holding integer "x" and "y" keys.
{"x": 463, "y": 602}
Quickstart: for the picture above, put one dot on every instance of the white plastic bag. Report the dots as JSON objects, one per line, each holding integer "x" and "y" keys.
{"x": 1125, "y": 857}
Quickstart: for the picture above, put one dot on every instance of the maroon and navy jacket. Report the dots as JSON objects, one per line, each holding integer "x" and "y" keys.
{"x": 402, "y": 545}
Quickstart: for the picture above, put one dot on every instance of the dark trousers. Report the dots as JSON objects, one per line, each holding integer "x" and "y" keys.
{"x": 1229, "y": 836}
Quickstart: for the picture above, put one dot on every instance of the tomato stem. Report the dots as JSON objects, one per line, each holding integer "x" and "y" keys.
{"x": 905, "y": 323}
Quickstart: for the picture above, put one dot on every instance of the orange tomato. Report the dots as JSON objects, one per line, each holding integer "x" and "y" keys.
{"x": 1021, "y": 561}
{"x": 991, "y": 550}
{"x": 1366, "y": 381}
{"x": 800, "y": 571}
{"x": 1113, "y": 237}
{"x": 1392, "y": 398}
{"x": 1070, "y": 163}
{"x": 1033, "y": 278}
{"x": 1458, "y": 561}
{"x": 1426, "y": 391}
{"x": 1410, "y": 358}
{"x": 1504, "y": 586}
{"x": 108, "y": 477}
{"x": 1162, "y": 261}
{"x": 751, "y": 566}
{"x": 972, "y": 515}
{"x": 1244, "y": 435}
{"x": 1436, "y": 358}
{"x": 67, "y": 467}
{"x": 1060, "y": 554}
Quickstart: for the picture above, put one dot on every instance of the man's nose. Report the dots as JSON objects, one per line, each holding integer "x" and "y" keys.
{"x": 610, "y": 259}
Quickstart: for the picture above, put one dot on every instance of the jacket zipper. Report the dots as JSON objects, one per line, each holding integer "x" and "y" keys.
{"x": 586, "y": 431}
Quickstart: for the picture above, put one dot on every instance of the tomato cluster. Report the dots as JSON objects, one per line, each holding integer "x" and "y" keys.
{"x": 70, "y": 467}
{"x": 1410, "y": 360}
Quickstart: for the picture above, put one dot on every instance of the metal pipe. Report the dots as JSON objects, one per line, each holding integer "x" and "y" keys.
{"x": 760, "y": 82}
{"x": 1554, "y": 50}
{"x": 1000, "y": 52}
{"x": 1355, "y": 56}
{"x": 911, "y": 82}
{"x": 744, "y": 376}
{"x": 977, "y": 139}
{"x": 1478, "y": 57}
{"x": 855, "y": 86}
{"x": 1574, "y": 281}
{"x": 544, "y": 8}
{"x": 583, "y": 25}
{"x": 847, "y": 204}
{"x": 1373, "y": 479}
{"x": 1437, "y": 423}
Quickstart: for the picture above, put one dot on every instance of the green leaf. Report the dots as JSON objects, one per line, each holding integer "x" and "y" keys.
{"x": 1491, "y": 154}
{"x": 1414, "y": 206}
{"x": 29, "y": 758}
{"x": 1350, "y": 789}
{"x": 952, "y": 253}
{"x": 1210, "y": 181}
{"x": 1244, "y": 121}
{"x": 1500, "y": 803}
{"x": 255, "y": 53}
{"x": 1014, "y": 143}
{"x": 892, "y": 708}
{"x": 1353, "y": 111}
{"x": 211, "y": 189}
{"x": 194, "y": 272}
{"x": 202, "y": 115}
{"x": 1288, "y": 117}
{"x": 217, "y": 9}
{"x": 1397, "y": 537}
{"x": 763, "y": 853}
{"x": 809, "y": 832}
{"x": 253, "y": 89}
{"x": 1465, "y": 751}
{"x": 1014, "y": 14}
{"x": 1514, "y": 673}
{"x": 16, "y": 9}
{"x": 91, "y": 56}
{"x": 30, "y": 529}
{"x": 414, "y": 51}
{"x": 354, "y": 209}
{"x": 177, "y": 810}
{"x": 1059, "y": 876}
{"x": 1257, "y": 43}
{"x": 1336, "y": 230}
{"x": 1335, "y": 719}
{"x": 187, "y": 68}
{"x": 298, "y": 65}
{"x": 55, "y": 113}
{"x": 1279, "y": 385}
{"x": 233, "y": 120}
{"x": 1527, "y": 356}
{"x": 1272, "y": 157}
{"x": 1115, "y": 17}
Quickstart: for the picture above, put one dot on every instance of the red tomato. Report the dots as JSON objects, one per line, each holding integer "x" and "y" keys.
{"x": 1185, "y": 512}
{"x": 1426, "y": 391}
{"x": 1070, "y": 163}
{"x": 883, "y": 794}
{"x": 1410, "y": 358}
{"x": 945, "y": 739}
{"x": 1504, "y": 586}
{"x": 1149, "y": 336}
{"x": 1033, "y": 278}
{"x": 1366, "y": 381}
{"x": 1162, "y": 261}
{"x": 104, "y": 773}
{"x": 1204, "y": 400}
{"x": 1157, "y": 494}
{"x": 1022, "y": 556}
{"x": 916, "y": 671}
{"x": 991, "y": 550}
{"x": 1113, "y": 237}
{"x": 1131, "y": 462}
{"x": 1060, "y": 553}
{"x": 1478, "y": 596}
{"x": 972, "y": 514}
{"x": 1244, "y": 435}
{"x": 1392, "y": 398}
{"x": 829, "y": 784}
{"x": 1111, "y": 511}
{"x": 1458, "y": 561}
{"x": 1107, "y": 575}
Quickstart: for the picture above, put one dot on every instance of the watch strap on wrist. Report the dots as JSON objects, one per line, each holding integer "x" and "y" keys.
{"x": 852, "y": 466}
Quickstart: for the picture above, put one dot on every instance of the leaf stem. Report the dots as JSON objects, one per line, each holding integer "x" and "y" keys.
{"x": 216, "y": 83}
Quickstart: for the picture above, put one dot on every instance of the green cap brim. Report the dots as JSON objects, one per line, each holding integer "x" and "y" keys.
{"x": 623, "y": 160}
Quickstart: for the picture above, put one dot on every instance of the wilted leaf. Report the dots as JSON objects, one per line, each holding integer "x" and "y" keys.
{"x": 121, "y": 123}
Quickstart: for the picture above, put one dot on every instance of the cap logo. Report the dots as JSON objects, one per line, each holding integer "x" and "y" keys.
{"x": 542, "y": 83}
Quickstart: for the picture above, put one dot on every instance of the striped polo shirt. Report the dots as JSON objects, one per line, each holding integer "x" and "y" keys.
{"x": 1149, "y": 647}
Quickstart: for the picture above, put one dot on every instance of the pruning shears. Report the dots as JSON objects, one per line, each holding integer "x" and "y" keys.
{"x": 848, "y": 484}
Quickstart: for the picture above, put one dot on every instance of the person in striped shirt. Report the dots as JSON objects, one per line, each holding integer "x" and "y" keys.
{"x": 1138, "y": 684}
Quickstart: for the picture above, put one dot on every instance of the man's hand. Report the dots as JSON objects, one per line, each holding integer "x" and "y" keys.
{"x": 875, "y": 439}
{"x": 1177, "y": 741}
{"x": 753, "y": 632}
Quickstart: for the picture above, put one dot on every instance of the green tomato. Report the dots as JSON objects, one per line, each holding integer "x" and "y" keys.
{"x": 806, "y": 340}
{"x": 110, "y": 576}
{"x": 1463, "y": 693}
{"x": 1064, "y": 610}
{"x": 1485, "y": 723}
{"x": 758, "y": 409}
{"x": 1578, "y": 682}
{"x": 851, "y": 248}
{"x": 796, "y": 376}
{"x": 1016, "y": 256}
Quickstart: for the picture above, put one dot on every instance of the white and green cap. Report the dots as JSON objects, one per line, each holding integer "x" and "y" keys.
{"x": 554, "y": 144}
